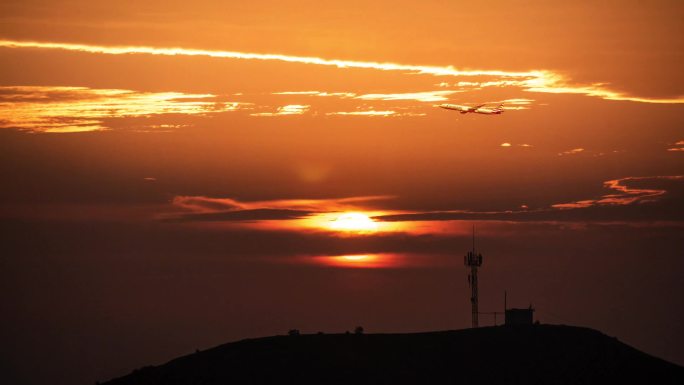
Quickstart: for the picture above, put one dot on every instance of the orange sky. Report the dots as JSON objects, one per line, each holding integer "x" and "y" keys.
{"x": 215, "y": 147}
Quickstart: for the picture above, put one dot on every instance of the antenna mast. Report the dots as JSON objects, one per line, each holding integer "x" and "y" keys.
{"x": 473, "y": 260}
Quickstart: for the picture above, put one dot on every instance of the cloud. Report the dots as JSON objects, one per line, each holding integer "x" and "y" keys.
{"x": 557, "y": 84}
{"x": 631, "y": 198}
{"x": 242, "y": 215}
{"x": 543, "y": 81}
{"x": 506, "y": 144}
{"x": 624, "y": 193}
{"x": 385, "y": 66}
{"x": 364, "y": 113}
{"x": 206, "y": 204}
{"x": 79, "y": 109}
{"x": 678, "y": 146}
{"x": 518, "y": 101}
{"x": 194, "y": 205}
{"x": 290, "y": 109}
{"x": 317, "y": 93}
{"x": 574, "y": 151}
{"x": 656, "y": 198}
{"x": 426, "y": 96}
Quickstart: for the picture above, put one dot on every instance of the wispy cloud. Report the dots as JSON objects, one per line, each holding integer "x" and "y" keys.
{"x": 678, "y": 146}
{"x": 317, "y": 93}
{"x": 518, "y": 101}
{"x": 630, "y": 198}
{"x": 425, "y": 96}
{"x": 634, "y": 198}
{"x": 510, "y": 145}
{"x": 290, "y": 109}
{"x": 79, "y": 109}
{"x": 624, "y": 194}
{"x": 364, "y": 113}
{"x": 165, "y": 51}
{"x": 557, "y": 84}
{"x": 544, "y": 81}
{"x": 574, "y": 151}
{"x": 202, "y": 204}
{"x": 340, "y": 216}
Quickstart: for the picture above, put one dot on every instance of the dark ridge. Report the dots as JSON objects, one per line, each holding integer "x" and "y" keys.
{"x": 538, "y": 354}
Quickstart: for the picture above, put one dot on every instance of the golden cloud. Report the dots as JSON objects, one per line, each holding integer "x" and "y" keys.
{"x": 544, "y": 81}
{"x": 79, "y": 109}
{"x": 290, "y": 109}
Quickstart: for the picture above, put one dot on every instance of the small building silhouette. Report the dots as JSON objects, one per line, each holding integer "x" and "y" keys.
{"x": 519, "y": 316}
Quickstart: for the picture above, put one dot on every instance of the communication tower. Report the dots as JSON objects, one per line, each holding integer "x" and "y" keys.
{"x": 473, "y": 260}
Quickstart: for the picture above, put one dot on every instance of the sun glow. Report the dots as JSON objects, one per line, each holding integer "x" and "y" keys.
{"x": 353, "y": 221}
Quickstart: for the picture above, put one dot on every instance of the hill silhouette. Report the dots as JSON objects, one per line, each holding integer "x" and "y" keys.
{"x": 539, "y": 354}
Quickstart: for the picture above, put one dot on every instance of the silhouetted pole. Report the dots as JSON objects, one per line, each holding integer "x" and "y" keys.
{"x": 473, "y": 260}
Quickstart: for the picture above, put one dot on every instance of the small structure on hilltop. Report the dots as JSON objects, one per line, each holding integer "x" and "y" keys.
{"x": 517, "y": 316}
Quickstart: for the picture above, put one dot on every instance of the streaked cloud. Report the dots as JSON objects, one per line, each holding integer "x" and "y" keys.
{"x": 573, "y": 151}
{"x": 364, "y": 113}
{"x": 165, "y": 51}
{"x": 630, "y": 201}
{"x": 317, "y": 93}
{"x": 341, "y": 217}
{"x": 557, "y": 84}
{"x": 516, "y": 104}
{"x": 426, "y": 96}
{"x": 543, "y": 81}
{"x": 677, "y": 146}
{"x": 159, "y": 128}
{"x": 624, "y": 201}
{"x": 202, "y": 204}
{"x": 80, "y": 109}
{"x": 290, "y": 109}
{"x": 624, "y": 193}
{"x": 371, "y": 260}
{"x": 518, "y": 101}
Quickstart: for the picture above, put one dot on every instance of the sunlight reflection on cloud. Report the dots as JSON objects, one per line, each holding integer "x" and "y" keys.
{"x": 80, "y": 109}
{"x": 543, "y": 81}
{"x": 624, "y": 194}
{"x": 290, "y": 109}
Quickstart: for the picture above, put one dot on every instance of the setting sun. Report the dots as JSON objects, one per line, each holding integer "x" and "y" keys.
{"x": 353, "y": 222}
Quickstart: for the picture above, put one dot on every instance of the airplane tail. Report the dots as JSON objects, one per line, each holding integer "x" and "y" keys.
{"x": 500, "y": 108}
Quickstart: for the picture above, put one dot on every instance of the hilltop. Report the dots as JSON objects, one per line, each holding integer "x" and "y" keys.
{"x": 539, "y": 354}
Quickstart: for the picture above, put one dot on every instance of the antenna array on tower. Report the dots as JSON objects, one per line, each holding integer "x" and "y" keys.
{"x": 473, "y": 260}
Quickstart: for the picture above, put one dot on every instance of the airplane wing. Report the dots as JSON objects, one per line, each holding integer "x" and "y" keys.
{"x": 477, "y": 107}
